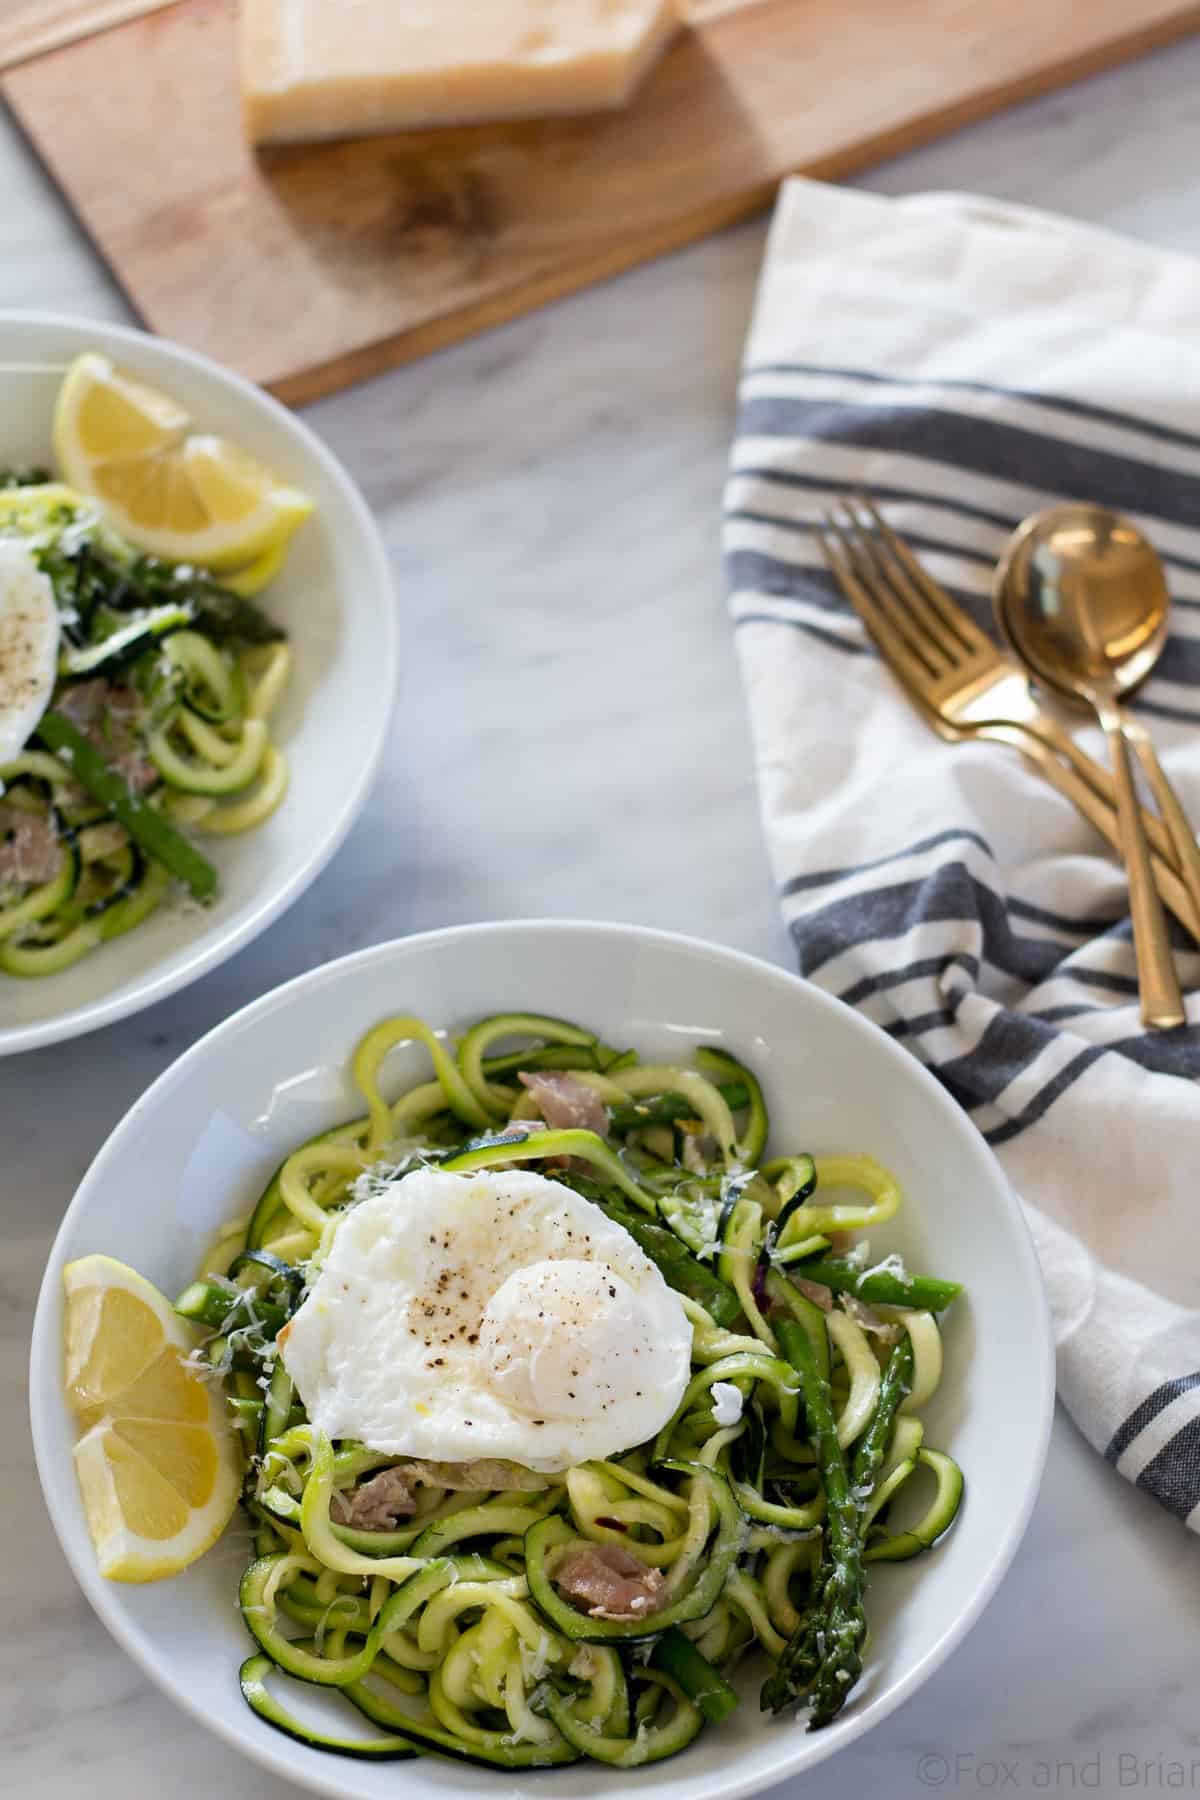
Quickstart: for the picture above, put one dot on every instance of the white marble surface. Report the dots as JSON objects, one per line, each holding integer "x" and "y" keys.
{"x": 570, "y": 739}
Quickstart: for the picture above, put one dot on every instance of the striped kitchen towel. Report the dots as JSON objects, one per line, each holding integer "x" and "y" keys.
{"x": 968, "y": 363}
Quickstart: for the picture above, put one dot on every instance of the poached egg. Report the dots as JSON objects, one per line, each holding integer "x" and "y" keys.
{"x": 491, "y": 1315}
{"x": 28, "y": 646}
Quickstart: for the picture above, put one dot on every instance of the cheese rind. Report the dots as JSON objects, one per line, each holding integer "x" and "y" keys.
{"x": 347, "y": 68}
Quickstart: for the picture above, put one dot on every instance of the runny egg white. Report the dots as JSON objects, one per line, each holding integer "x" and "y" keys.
{"x": 492, "y": 1315}
{"x": 28, "y": 646}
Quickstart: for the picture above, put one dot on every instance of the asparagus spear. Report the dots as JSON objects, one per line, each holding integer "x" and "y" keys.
{"x": 872, "y": 1446}
{"x": 824, "y": 1654}
{"x": 148, "y": 829}
{"x": 836, "y": 1601}
{"x": 207, "y": 1303}
{"x": 677, "y": 1656}
{"x": 925, "y": 1292}
{"x": 678, "y": 1267}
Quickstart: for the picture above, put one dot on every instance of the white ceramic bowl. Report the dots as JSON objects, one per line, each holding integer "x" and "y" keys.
{"x": 203, "y": 1141}
{"x": 335, "y": 599}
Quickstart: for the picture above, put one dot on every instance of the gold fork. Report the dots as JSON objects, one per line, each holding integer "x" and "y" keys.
{"x": 964, "y": 675}
{"x": 963, "y": 685}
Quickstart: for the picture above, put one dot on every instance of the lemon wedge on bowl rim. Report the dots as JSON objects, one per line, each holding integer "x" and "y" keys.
{"x": 158, "y": 1465}
{"x": 184, "y": 495}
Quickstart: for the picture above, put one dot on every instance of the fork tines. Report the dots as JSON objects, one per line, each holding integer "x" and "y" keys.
{"x": 916, "y": 624}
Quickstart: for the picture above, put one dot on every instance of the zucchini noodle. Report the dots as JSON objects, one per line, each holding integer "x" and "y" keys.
{"x": 159, "y": 725}
{"x": 753, "y": 1513}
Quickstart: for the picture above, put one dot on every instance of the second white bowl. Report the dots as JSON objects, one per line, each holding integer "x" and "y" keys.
{"x": 335, "y": 600}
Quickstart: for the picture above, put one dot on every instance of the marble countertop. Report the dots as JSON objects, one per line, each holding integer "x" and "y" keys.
{"x": 569, "y": 467}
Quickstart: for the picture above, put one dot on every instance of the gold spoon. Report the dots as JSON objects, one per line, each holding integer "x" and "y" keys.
{"x": 1081, "y": 597}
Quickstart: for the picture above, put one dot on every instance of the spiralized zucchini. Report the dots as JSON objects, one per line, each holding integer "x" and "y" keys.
{"x": 158, "y": 726}
{"x": 753, "y": 1514}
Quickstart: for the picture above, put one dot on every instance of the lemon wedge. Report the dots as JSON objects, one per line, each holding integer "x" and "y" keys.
{"x": 158, "y": 1466}
{"x": 184, "y": 495}
{"x": 257, "y": 574}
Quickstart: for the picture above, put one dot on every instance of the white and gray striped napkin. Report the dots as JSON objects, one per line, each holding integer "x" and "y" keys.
{"x": 968, "y": 363}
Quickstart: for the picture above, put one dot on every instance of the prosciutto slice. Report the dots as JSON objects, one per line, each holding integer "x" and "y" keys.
{"x": 608, "y": 1582}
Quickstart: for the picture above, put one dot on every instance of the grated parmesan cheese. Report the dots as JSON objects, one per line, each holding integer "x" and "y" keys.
{"x": 382, "y": 1175}
{"x": 892, "y": 1264}
{"x": 536, "y": 1662}
{"x": 727, "y": 1403}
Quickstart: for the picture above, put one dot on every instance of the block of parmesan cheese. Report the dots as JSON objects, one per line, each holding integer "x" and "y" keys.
{"x": 342, "y": 68}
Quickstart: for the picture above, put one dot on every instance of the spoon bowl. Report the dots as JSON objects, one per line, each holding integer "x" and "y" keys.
{"x": 1081, "y": 596}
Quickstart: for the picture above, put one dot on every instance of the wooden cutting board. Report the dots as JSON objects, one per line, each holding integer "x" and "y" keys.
{"x": 28, "y": 27}
{"x": 310, "y": 267}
